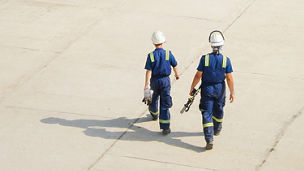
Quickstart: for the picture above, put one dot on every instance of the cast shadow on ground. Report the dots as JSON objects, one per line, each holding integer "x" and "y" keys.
{"x": 96, "y": 128}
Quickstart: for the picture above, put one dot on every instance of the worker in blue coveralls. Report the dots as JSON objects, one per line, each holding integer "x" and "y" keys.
{"x": 213, "y": 69}
{"x": 158, "y": 67}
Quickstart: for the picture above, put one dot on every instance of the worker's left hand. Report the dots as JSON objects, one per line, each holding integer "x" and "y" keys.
{"x": 176, "y": 77}
{"x": 231, "y": 98}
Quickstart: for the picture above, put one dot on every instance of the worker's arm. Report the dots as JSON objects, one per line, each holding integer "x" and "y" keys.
{"x": 175, "y": 69}
{"x": 231, "y": 86}
{"x": 148, "y": 75}
{"x": 196, "y": 79}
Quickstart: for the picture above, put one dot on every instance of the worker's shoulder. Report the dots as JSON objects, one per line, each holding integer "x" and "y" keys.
{"x": 204, "y": 55}
{"x": 167, "y": 50}
{"x": 225, "y": 55}
{"x": 151, "y": 52}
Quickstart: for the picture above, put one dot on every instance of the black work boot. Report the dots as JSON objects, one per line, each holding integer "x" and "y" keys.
{"x": 209, "y": 145}
{"x": 154, "y": 117}
{"x": 166, "y": 131}
{"x": 217, "y": 133}
{"x": 217, "y": 129}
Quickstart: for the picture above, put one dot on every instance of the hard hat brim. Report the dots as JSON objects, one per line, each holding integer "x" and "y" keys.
{"x": 158, "y": 42}
{"x": 217, "y": 44}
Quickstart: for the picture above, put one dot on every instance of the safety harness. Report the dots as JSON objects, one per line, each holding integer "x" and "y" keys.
{"x": 152, "y": 56}
{"x": 224, "y": 64}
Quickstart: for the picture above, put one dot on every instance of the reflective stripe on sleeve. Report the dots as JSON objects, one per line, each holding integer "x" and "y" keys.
{"x": 152, "y": 57}
{"x": 164, "y": 121}
{"x": 167, "y": 55}
{"x": 207, "y": 60}
{"x": 216, "y": 119}
{"x": 207, "y": 125}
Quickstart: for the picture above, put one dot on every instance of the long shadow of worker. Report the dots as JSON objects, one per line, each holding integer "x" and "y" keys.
{"x": 96, "y": 128}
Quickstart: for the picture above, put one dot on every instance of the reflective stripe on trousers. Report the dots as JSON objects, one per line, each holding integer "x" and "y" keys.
{"x": 154, "y": 113}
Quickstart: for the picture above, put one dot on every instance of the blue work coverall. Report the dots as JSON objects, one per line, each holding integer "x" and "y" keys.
{"x": 213, "y": 92}
{"x": 159, "y": 62}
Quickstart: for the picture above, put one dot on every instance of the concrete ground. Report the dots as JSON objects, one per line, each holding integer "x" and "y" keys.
{"x": 72, "y": 81}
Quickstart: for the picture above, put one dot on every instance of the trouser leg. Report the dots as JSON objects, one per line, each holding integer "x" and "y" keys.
{"x": 165, "y": 104}
{"x": 153, "y": 107}
{"x": 217, "y": 117}
{"x": 218, "y": 111}
{"x": 206, "y": 106}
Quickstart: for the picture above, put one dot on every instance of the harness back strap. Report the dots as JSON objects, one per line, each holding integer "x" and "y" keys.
{"x": 152, "y": 57}
{"x": 224, "y": 61}
{"x": 207, "y": 60}
{"x": 224, "y": 64}
{"x": 167, "y": 55}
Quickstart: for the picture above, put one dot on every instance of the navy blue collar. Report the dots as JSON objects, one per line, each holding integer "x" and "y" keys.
{"x": 159, "y": 49}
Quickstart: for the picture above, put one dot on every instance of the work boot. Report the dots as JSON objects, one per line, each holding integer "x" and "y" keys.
{"x": 217, "y": 133}
{"x": 209, "y": 145}
{"x": 166, "y": 131}
{"x": 154, "y": 117}
{"x": 217, "y": 129}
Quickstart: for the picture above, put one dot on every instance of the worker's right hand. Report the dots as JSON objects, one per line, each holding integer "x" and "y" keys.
{"x": 191, "y": 92}
{"x": 231, "y": 98}
{"x": 147, "y": 96}
{"x": 147, "y": 101}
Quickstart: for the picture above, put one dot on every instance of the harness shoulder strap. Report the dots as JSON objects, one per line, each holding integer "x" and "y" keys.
{"x": 207, "y": 60}
{"x": 224, "y": 61}
{"x": 167, "y": 55}
{"x": 152, "y": 57}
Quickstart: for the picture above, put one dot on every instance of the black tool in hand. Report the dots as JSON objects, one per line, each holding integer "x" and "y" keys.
{"x": 190, "y": 100}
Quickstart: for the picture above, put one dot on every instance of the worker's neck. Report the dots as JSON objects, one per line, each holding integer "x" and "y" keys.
{"x": 158, "y": 46}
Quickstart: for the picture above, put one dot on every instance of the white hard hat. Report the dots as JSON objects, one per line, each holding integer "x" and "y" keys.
{"x": 158, "y": 38}
{"x": 216, "y": 38}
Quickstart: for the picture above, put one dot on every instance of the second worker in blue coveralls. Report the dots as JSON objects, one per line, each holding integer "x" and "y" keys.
{"x": 158, "y": 67}
{"x": 213, "y": 69}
